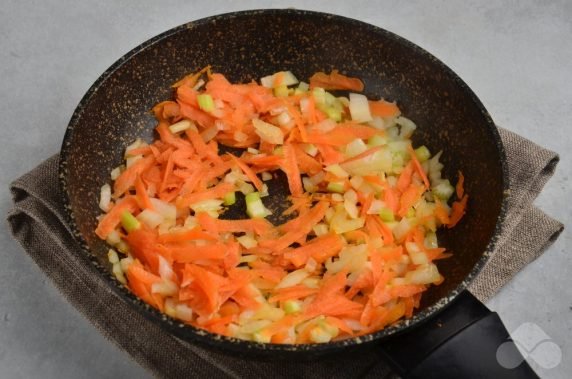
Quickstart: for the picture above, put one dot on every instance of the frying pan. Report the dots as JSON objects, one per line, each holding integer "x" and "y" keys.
{"x": 451, "y": 334}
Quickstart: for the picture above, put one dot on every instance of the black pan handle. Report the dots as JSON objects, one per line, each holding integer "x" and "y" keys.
{"x": 460, "y": 342}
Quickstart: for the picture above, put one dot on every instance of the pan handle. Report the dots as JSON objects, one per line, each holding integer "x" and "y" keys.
{"x": 462, "y": 341}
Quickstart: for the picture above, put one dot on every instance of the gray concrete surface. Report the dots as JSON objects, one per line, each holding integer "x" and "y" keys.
{"x": 516, "y": 55}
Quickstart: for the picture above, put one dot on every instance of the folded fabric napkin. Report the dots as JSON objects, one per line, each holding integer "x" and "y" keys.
{"x": 38, "y": 222}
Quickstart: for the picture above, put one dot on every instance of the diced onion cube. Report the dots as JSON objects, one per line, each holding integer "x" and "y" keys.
{"x": 112, "y": 256}
{"x": 247, "y": 241}
{"x": 254, "y": 206}
{"x": 287, "y": 79}
{"x": 337, "y": 170}
{"x": 268, "y": 132}
{"x": 424, "y": 274}
{"x": 356, "y": 147}
{"x": 181, "y": 126}
{"x": 150, "y": 218}
{"x": 359, "y": 108}
{"x": 105, "y": 197}
{"x": 293, "y": 278}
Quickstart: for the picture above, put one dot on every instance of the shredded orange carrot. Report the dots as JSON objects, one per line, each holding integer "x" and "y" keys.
{"x": 248, "y": 172}
{"x": 334, "y": 269}
{"x": 384, "y": 108}
{"x": 292, "y": 170}
{"x": 459, "y": 188}
{"x": 418, "y": 167}
{"x": 335, "y": 81}
{"x": 458, "y": 211}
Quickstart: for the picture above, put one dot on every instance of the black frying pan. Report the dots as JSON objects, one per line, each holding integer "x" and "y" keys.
{"x": 452, "y": 334}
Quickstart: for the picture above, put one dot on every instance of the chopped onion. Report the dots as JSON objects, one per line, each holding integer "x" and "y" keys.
{"x": 118, "y": 272}
{"x": 209, "y": 133}
{"x": 288, "y": 79}
{"x": 130, "y": 160}
{"x": 402, "y": 228}
{"x": 310, "y": 149}
{"x": 135, "y": 145}
{"x": 325, "y": 126}
{"x": 165, "y": 288}
{"x": 359, "y": 108}
{"x": 424, "y": 274}
{"x": 284, "y": 119}
{"x": 320, "y": 229}
{"x": 375, "y": 207}
{"x": 105, "y": 197}
{"x": 377, "y": 122}
{"x": 165, "y": 270}
{"x": 115, "y": 173}
{"x": 356, "y": 147}
{"x": 181, "y": 126}
{"x": 268, "y": 132}
{"x": 240, "y": 136}
{"x": 207, "y": 206}
{"x": 113, "y": 238}
{"x": 112, "y": 256}
{"x": 247, "y": 241}
{"x": 168, "y": 211}
{"x": 150, "y": 218}
{"x": 337, "y": 170}
{"x": 184, "y": 312}
{"x": 266, "y": 176}
{"x": 293, "y": 278}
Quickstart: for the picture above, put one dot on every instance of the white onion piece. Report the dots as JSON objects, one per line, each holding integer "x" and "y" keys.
{"x": 105, "y": 197}
{"x": 168, "y": 211}
{"x": 292, "y": 279}
{"x": 150, "y": 218}
{"x": 165, "y": 270}
{"x": 184, "y": 312}
{"x": 268, "y": 132}
{"x": 359, "y": 108}
{"x": 165, "y": 288}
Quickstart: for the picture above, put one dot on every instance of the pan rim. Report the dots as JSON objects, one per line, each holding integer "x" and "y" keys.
{"x": 189, "y": 332}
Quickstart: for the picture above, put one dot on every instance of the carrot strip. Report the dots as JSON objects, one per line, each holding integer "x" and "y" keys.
{"x": 248, "y": 172}
{"x": 127, "y": 178}
{"x": 292, "y": 171}
{"x": 320, "y": 248}
{"x": 189, "y": 235}
{"x": 142, "y": 195}
{"x": 216, "y": 192}
{"x": 458, "y": 211}
{"x": 441, "y": 213}
{"x": 408, "y": 199}
{"x": 404, "y": 180}
{"x": 384, "y": 108}
{"x": 113, "y": 218}
{"x": 306, "y": 163}
{"x": 335, "y": 81}
{"x": 418, "y": 167}
{"x": 191, "y": 253}
{"x": 213, "y": 225}
{"x": 459, "y": 187}
{"x": 306, "y": 224}
{"x": 291, "y": 293}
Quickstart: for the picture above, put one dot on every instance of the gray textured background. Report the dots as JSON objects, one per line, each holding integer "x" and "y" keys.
{"x": 515, "y": 55}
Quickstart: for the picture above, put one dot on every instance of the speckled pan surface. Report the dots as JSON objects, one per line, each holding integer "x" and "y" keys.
{"x": 248, "y": 45}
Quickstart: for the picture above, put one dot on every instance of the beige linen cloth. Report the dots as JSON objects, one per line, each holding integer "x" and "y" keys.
{"x": 38, "y": 222}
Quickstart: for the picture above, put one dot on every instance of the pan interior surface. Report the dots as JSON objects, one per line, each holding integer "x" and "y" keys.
{"x": 245, "y": 46}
